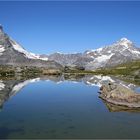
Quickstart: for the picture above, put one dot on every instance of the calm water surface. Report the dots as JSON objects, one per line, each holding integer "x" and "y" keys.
{"x": 56, "y": 108}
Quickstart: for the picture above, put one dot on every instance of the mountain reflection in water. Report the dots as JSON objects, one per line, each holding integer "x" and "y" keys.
{"x": 11, "y": 87}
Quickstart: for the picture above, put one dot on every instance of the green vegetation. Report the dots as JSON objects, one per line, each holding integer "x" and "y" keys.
{"x": 7, "y": 71}
{"x": 129, "y": 72}
{"x": 24, "y": 71}
{"x": 131, "y": 69}
{"x": 30, "y": 71}
{"x": 76, "y": 70}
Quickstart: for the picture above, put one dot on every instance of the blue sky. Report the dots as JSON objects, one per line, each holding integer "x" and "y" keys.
{"x": 58, "y": 26}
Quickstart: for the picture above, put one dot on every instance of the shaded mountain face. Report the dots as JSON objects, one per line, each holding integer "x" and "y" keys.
{"x": 72, "y": 60}
{"x": 11, "y": 53}
{"x": 120, "y": 52}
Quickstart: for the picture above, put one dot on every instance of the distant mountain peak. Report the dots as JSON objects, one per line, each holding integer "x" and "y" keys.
{"x": 1, "y": 27}
{"x": 125, "y": 42}
{"x": 124, "y": 39}
{"x": 6, "y": 42}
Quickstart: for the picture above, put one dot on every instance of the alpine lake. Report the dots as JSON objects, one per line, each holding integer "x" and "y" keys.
{"x": 63, "y": 107}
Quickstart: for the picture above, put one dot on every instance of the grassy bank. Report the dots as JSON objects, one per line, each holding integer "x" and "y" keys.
{"x": 25, "y": 71}
{"x": 131, "y": 69}
{"x": 127, "y": 71}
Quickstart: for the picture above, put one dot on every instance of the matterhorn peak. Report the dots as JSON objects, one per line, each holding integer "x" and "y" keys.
{"x": 1, "y": 27}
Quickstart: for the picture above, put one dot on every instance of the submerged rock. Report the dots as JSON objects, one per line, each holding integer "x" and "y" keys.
{"x": 119, "y": 108}
{"x": 120, "y": 95}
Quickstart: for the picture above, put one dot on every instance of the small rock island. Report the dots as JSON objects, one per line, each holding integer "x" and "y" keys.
{"x": 119, "y": 95}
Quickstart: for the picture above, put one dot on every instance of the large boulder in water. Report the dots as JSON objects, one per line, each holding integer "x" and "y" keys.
{"x": 119, "y": 95}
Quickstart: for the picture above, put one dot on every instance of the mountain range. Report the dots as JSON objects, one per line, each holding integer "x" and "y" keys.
{"x": 122, "y": 51}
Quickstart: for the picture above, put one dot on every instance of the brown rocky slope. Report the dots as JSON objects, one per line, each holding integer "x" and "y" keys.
{"x": 119, "y": 95}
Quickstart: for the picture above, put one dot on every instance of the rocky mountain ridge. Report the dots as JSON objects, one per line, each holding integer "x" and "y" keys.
{"x": 122, "y": 51}
{"x": 11, "y": 53}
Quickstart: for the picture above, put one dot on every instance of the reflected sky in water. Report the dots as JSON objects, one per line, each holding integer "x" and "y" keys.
{"x": 43, "y": 108}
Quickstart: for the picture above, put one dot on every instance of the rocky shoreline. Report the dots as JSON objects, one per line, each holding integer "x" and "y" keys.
{"x": 121, "y": 95}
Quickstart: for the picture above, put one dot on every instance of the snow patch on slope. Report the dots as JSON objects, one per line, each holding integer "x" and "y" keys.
{"x": 2, "y": 85}
{"x": 2, "y": 49}
{"x": 134, "y": 52}
{"x": 97, "y": 50}
{"x": 27, "y": 54}
{"x": 103, "y": 58}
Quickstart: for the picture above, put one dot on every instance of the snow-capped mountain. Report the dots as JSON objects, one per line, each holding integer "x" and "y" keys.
{"x": 5, "y": 39}
{"x": 120, "y": 52}
{"x": 11, "y": 53}
{"x": 27, "y": 54}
